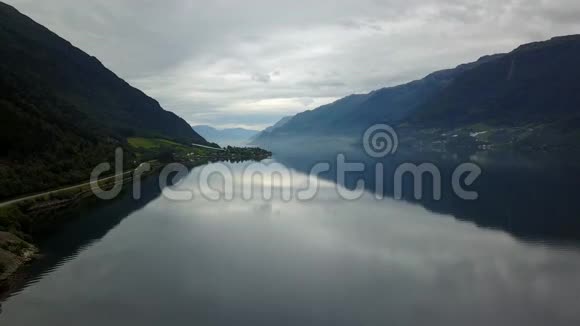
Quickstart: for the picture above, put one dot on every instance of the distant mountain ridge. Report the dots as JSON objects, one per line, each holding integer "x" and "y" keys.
{"x": 266, "y": 132}
{"x": 278, "y": 124}
{"x": 530, "y": 93}
{"x": 226, "y": 136}
{"x": 354, "y": 113}
{"x": 62, "y": 111}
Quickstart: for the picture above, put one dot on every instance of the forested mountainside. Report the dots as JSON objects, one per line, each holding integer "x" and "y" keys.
{"x": 62, "y": 111}
{"x": 354, "y": 113}
{"x": 528, "y": 97}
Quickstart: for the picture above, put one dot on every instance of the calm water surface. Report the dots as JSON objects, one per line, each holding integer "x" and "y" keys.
{"x": 511, "y": 258}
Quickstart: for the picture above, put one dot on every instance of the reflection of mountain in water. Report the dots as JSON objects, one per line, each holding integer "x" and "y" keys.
{"x": 88, "y": 225}
{"x": 531, "y": 197}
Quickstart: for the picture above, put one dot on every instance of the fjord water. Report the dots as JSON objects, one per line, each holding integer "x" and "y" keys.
{"x": 509, "y": 258}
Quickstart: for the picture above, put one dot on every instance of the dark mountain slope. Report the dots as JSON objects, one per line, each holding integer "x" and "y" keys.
{"x": 538, "y": 82}
{"x": 528, "y": 98}
{"x": 353, "y": 114}
{"x": 39, "y": 57}
{"x": 62, "y": 112}
{"x": 264, "y": 134}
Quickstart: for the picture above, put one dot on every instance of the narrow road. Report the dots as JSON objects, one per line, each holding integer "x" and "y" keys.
{"x": 17, "y": 200}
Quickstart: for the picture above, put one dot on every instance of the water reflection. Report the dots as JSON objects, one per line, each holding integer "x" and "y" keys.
{"x": 323, "y": 261}
{"x": 531, "y": 196}
{"x": 88, "y": 224}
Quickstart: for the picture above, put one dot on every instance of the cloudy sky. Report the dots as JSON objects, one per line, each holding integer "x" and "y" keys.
{"x": 249, "y": 63}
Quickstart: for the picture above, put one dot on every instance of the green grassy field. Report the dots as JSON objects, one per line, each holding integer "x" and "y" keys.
{"x": 147, "y": 149}
{"x": 152, "y": 143}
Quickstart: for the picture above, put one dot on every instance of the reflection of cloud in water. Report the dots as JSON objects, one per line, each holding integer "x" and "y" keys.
{"x": 324, "y": 261}
{"x": 430, "y": 261}
{"x": 264, "y": 208}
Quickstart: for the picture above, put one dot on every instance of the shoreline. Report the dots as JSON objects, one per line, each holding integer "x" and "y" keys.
{"x": 14, "y": 253}
{"x": 47, "y": 214}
